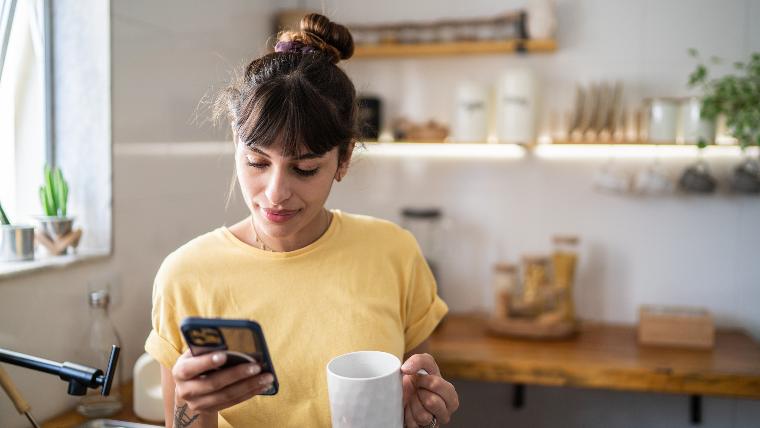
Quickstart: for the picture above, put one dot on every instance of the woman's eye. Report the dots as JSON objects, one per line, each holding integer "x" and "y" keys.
{"x": 257, "y": 164}
{"x": 305, "y": 172}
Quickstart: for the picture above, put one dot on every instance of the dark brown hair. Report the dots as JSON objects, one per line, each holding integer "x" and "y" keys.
{"x": 297, "y": 95}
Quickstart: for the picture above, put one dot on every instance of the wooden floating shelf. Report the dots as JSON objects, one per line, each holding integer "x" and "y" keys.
{"x": 383, "y": 50}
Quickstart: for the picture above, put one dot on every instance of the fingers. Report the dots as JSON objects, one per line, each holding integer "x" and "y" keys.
{"x": 420, "y": 415}
{"x": 409, "y": 421}
{"x": 188, "y": 367}
{"x": 409, "y": 388}
{"x": 440, "y": 387}
{"x": 434, "y": 404}
{"x": 233, "y": 394}
{"x": 216, "y": 381}
{"x": 420, "y": 361}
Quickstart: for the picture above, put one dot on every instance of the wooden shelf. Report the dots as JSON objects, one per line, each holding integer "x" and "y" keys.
{"x": 453, "y": 48}
{"x": 602, "y": 356}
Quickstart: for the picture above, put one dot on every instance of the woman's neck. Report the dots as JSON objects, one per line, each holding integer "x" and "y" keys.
{"x": 310, "y": 234}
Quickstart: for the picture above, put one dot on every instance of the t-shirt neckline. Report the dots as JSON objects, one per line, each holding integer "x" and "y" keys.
{"x": 320, "y": 242}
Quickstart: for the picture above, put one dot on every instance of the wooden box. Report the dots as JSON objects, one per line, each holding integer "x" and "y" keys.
{"x": 676, "y": 326}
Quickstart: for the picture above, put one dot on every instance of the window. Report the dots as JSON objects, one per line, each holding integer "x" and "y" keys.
{"x": 55, "y": 108}
{"x": 23, "y": 118}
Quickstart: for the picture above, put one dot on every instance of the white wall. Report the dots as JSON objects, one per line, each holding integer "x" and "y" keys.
{"x": 680, "y": 249}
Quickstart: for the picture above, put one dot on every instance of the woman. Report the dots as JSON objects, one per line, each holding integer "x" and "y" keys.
{"x": 321, "y": 283}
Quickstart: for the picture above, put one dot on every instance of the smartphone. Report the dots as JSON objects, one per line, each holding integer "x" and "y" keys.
{"x": 242, "y": 341}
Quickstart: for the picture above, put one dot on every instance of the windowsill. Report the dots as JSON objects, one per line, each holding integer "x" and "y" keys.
{"x": 12, "y": 269}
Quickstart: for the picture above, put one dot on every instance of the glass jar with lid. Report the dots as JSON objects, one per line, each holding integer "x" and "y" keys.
{"x": 564, "y": 263}
{"x": 504, "y": 288}
{"x": 426, "y": 226}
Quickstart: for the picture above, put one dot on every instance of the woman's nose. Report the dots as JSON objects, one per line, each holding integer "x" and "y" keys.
{"x": 278, "y": 187}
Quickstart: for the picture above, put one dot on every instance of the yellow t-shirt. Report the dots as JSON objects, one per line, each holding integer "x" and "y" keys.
{"x": 363, "y": 285}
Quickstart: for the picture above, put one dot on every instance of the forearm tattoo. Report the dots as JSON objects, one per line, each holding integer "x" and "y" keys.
{"x": 181, "y": 418}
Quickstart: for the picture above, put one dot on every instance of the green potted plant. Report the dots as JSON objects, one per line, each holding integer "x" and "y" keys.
{"x": 16, "y": 241}
{"x": 737, "y": 97}
{"x": 54, "y": 194}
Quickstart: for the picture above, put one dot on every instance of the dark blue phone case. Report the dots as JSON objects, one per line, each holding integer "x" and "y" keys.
{"x": 242, "y": 339}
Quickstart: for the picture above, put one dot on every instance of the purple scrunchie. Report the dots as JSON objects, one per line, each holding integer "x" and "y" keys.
{"x": 293, "y": 46}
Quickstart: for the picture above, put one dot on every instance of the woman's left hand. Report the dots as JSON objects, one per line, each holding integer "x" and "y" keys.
{"x": 427, "y": 398}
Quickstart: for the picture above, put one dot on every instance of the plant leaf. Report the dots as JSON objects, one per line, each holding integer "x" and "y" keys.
{"x": 3, "y": 217}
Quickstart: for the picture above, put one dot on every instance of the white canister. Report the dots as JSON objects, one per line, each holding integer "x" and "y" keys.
{"x": 517, "y": 107}
{"x": 663, "y": 120}
{"x": 692, "y": 127}
{"x": 147, "y": 394}
{"x": 471, "y": 113}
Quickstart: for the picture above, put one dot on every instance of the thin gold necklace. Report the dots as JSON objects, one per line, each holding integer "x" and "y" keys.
{"x": 264, "y": 247}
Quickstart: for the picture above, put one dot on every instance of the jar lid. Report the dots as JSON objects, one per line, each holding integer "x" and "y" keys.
{"x": 99, "y": 299}
{"x": 431, "y": 213}
{"x": 566, "y": 239}
{"x": 504, "y": 267}
{"x": 535, "y": 258}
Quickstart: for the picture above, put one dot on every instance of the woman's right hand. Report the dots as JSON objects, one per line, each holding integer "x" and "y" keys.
{"x": 218, "y": 389}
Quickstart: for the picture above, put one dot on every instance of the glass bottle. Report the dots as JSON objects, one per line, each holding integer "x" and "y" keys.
{"x": 97, "y": 349}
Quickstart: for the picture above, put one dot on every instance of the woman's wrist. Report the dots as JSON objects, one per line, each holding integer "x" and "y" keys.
{"x": 185, "y": 417}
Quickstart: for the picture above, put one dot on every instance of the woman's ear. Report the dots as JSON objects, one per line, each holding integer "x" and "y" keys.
{"x": 343, "y": 165}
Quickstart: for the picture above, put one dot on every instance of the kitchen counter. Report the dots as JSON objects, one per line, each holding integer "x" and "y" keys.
{"x": 605, "y": 356}
{"x": 73, "y": 419}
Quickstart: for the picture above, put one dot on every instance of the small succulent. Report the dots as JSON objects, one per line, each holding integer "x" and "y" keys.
{"x": 737, "y": 96}
{"x": 54, "y": 194}
{"x": 3, "y": 218}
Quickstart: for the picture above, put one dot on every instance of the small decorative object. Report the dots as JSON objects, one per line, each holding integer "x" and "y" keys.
{"x": 56, "y": 232}
{"x": 697, "y": 179}
{"x": 746, "y": 178}
{"x": 652, "y": 180}
{"x": 543, "y": 307}
{"x": 542, "y": 19}
{"x": 429, "y": 132}
{"x": 737, "y": 98}
{"x": 676, "y": 326}
{"x": 16, "y": 241}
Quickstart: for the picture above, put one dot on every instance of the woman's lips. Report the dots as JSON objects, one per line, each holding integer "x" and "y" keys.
{"x": 279, "y": 216}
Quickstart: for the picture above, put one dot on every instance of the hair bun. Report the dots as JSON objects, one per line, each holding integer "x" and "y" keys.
{"x": 318, "y": 31}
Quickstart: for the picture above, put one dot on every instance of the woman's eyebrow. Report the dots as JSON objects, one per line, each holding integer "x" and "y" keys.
{"x": 255, "y": 150}
{"x": 306, "y": 156}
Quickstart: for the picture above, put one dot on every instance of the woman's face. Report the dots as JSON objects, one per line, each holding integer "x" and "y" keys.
{"x": 286, "y": 195}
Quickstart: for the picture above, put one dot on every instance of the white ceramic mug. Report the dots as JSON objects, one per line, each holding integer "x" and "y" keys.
{"x": 365, "y": 390}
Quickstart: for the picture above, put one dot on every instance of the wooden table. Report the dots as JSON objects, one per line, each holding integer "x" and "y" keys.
{"x": 601, "y": 356}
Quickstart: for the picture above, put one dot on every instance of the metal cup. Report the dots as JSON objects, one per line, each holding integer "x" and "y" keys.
{"x": 17, "y": 243}
{"x": 56, "y": 227}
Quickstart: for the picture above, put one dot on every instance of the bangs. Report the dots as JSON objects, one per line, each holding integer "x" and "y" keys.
{"x": 290, "y": 111}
